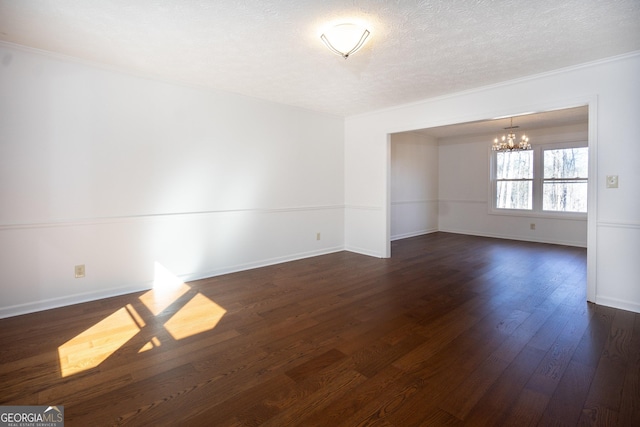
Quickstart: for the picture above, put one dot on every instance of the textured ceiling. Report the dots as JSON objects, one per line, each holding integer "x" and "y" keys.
{"x": 271, "y": 49}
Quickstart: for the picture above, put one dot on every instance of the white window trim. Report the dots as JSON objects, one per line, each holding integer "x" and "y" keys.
{"x": 538, "y": 171}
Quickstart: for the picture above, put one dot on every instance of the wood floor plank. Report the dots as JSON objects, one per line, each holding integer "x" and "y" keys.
{"x": 465, "y": 396}
{"x": 492, "y": 408}
{"x": 312, "y": 366}
{"x": 527, "y": 409}
{"x": 339, "y": 384}
{"x": 355, "y": 401}
{"x": 553, "y": 365}
{"x": 565, "y": 406}
{"x": 253, "y": 407}
{"x": 630, "y": 400}
{"x": 445, "y": 332}
{"x": 386, "y": 405}
{"x": 591, "y": 345}
{"x": 125, "y": 400}
{"x": 608, "y": 382}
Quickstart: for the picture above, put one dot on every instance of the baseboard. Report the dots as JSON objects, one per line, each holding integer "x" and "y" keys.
{"x": 363, "y": 251}
{"x": 48, "y": 304}
{"x": 512, "y": 237}
{"x": 617, "y": 303}
{"x": 263, "y": 263}
{"x": 32, "y": 307}
{"x": 413, "y": 234}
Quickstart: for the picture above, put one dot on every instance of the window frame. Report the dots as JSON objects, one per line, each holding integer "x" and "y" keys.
{"x": 538, "y": 181}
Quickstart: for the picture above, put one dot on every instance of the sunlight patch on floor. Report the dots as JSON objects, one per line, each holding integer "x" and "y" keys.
{"x": 200, "y": 314}
{"x": 92, "y": 347}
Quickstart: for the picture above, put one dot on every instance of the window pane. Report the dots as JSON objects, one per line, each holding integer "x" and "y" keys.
{"x": 514, "y": 194}
{"x": 564, "y": 196}
{"x": 514, "y": 165}
{"x": 566, "y": 163}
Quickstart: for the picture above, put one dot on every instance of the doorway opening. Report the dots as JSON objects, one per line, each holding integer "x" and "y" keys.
{"x": 440, "y": 180}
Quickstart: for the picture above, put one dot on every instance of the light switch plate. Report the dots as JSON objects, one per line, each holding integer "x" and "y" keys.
{"x": 612, "y": 181}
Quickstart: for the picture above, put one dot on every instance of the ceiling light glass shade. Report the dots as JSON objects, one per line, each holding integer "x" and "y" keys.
{"x": 345, "y": 39}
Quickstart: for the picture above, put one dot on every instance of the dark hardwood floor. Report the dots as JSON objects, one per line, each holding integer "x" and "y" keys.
{"x": 452, "y": 330}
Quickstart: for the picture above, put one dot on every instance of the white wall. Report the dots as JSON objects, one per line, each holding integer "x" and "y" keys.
{"x": 611, "y": 89}
{"x": 414, "y": 185}
{"x": 465, "y": 197}
{"x": 119, "y": 172}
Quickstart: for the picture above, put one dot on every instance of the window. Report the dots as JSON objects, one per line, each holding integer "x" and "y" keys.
{"x": 514, "y": 180}
{"x": 551, "y": 179}
{"x": 564, "y": 187}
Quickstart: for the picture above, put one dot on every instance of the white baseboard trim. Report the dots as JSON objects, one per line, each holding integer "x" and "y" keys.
{"x": 258, "y": 264}
{"x": 413, "y": 234}
{"x": 512, "y": 237}
{"x": 618, "y": 303}
{"x": 363, "y": 251}
{"x": 48, "y": 304}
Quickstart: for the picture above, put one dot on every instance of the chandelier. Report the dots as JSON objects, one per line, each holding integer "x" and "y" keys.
{"x": 508, "y": 142}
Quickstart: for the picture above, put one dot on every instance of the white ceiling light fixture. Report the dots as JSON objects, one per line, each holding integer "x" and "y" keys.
{"x": 508, "y": 141}
{"x": 345, "y": 39}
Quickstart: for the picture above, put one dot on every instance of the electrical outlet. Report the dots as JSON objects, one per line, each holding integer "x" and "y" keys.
{"x": 79, "y": 270}
{"x": 317, "y": 236}
{"x": 532, "y": 226}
